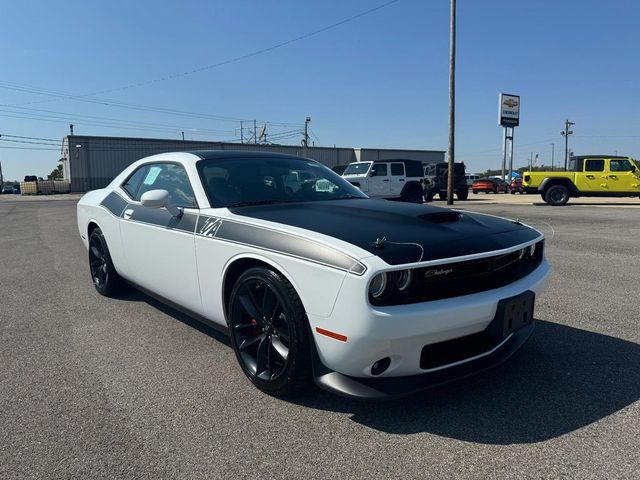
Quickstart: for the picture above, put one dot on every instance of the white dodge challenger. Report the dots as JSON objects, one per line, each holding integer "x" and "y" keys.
{"x": 312, "y": 280}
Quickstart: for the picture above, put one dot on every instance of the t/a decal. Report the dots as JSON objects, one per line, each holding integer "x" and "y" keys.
{"x": 210, "y": 227}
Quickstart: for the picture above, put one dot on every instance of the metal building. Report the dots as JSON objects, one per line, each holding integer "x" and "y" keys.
{"x": 92, "y": 162}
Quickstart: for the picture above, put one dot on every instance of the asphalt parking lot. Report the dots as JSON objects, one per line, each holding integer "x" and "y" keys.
{"x": 128, "y": 388}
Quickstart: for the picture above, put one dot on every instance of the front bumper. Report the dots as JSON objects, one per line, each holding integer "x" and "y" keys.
{"x": 402, "y": 332}
{"x": 388, "y": 388}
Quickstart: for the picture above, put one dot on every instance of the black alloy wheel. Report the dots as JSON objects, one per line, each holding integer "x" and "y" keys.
{"x": 105, "y": 278}
{"x": 557, "y": 195}
{"x": 268, "y": 332}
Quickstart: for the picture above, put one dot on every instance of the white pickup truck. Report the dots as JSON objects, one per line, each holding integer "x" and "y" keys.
{"x": 391, "y": 179}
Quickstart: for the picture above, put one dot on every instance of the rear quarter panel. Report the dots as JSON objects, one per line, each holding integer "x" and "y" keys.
{"x": 89, "y": 211}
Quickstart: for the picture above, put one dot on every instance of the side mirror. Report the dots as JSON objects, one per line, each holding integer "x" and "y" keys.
{"x": 633, "y": 168}
{"x": 372, "y": 173}
{"x": 159, "y": 199}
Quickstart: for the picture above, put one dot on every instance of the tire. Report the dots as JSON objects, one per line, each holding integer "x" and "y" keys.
{"x": 414, "y": 195}
{"x": 463, "y": 194}
{"x": 556, "y": 195}
{"x": 495, "y": 190}
{"x": 105, "y": 278}
{"x": 513, "y": 192}
{"x": 475, "y": 192}
{"x": 442, "y": 196}
{"x": 428, "y": 196}
{"x": 269, "y": 332}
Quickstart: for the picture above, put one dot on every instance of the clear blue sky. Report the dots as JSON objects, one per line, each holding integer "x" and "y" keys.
{"x": 378, "y": 81}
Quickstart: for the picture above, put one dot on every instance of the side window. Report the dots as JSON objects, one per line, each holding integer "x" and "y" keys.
{"x": 132, "y": 184}
{"x": 397, "y": 169}
{"x": 379, "y": 170}
{"x": 620, "y": 166}
{"x": 596, "y": 165}
{"x": 172, "y": 178}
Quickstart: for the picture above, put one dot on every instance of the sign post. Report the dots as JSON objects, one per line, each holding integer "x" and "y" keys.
{"x": 509, "y": 118}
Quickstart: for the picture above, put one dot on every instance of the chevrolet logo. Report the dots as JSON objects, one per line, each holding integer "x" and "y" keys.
{"x": 510, "y": 102}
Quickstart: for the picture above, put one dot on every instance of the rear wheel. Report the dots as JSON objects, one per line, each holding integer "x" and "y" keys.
{"x": 463, "y": 194}
{"x": 268, "y": 332}
{"x": 414, "y": 195}
{"x": 443, "y": 196}
{"x": 556, "y": 195}
{"x": 105, "y": 278}
{"x": 475, "y": 192}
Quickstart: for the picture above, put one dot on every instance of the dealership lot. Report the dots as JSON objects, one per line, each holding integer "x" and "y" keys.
{"x": 96, "y": 387}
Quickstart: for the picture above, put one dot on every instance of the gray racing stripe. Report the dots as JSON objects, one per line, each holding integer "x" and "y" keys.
{"x": 277, "y": 242}
{"x": 160, "y": 217}
{"x": 114, "y": 203}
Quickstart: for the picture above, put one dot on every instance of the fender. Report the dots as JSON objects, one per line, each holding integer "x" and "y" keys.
{"x": 549, "y": 181}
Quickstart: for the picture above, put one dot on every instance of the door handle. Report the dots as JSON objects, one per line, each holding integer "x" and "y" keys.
{"x": 385, "y": 180}
{"x": 591, "y": 177}
{"x": 127, "y": 213}
{"x": 401, "y": 180}
{"x": 613, "y": 176}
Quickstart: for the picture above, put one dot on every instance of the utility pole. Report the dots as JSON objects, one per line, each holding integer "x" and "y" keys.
{"x": 71, "y": 128}
{"x": 183, "y": 136}
{"x": 452, "y": 101}
{"x": 553, "y": 149}
{"x": 305, "y": 141}
{"x": 255, "y": 133}
{"x": 241, "y": 132}
{"x": 565, "y": 133}
{"x": 531, "y": 161}
{"x": 1, "y": 177}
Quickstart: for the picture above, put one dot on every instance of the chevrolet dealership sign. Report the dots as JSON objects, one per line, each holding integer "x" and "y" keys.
{"x": 509, "y": 110}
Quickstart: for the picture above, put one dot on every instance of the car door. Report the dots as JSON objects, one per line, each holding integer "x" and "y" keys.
{"x": 594, "y": 178}
{"x": 160, "y": 248}
{"x": 623, "y": 176}
{"x": 379, "y": 185}
{"x": 397, "y": 179}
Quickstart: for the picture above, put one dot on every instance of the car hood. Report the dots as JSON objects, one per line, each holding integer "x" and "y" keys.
{"x": 398, "y": 232}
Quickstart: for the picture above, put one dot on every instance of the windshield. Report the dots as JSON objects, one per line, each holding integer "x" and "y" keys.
{"x": 261, "y": 180}
{"x": 358, "y": 168}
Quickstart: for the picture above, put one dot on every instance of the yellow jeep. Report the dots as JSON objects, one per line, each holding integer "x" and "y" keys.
{"x": 587, "y": 176}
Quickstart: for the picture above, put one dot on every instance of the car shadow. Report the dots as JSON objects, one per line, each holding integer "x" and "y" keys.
{"x": 563, "y": 379}
{"x": 133, "y": 295}
{"x": 594, "y": 204}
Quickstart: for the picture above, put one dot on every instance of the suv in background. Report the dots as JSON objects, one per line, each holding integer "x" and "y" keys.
{"x": 587, "y": 176}
{"x": 391, "y": 179}
{"x": 436, "y": 181}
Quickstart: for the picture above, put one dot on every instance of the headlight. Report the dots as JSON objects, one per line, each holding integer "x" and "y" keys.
{"x": 403, "y": 279}
{"x": 378, "y": 285}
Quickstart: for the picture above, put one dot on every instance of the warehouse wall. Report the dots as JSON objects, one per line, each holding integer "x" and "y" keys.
{"x": 92, "y": 162}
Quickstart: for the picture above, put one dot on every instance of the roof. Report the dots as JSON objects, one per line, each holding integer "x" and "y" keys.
{"x": 219, "y": 154}
{"x": 582, "y": 157}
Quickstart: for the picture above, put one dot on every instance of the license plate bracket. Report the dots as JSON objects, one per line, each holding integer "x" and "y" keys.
{"x": 513, "y": 313}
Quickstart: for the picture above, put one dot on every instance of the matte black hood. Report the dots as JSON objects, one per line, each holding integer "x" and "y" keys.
{"x": 412, "y": 232}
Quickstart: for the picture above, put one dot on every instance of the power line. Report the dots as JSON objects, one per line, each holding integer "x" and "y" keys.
{"x": 240, "y": 57}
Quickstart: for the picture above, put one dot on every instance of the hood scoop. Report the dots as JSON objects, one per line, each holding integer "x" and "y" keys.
{"x": 441, "y": 217}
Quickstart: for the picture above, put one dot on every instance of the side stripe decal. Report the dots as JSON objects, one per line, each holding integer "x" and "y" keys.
{"x": 114, "y": 203}
{"x": 279, "y": 242}
{"x": 236, "y": 232}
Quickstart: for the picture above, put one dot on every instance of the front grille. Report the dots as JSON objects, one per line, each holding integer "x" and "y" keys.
{"x": 445, "y": 353}
{"x": 464, "y": 278}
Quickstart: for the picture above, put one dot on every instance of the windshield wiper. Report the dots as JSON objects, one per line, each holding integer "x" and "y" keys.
{"x": 258, "y": 202}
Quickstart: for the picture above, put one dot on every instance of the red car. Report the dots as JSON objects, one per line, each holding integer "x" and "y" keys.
{"x": 516, "y": 186}
{"x": 490, "y": 185}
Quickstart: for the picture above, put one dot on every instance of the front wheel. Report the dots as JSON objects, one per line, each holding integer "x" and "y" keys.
{"x": 269, "y": 333}
{"x": 463, "y": 194}
{"x": 556, "y": 195}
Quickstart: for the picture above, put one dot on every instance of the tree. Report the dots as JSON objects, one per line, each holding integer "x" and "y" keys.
{"x": 56, "y": 174}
